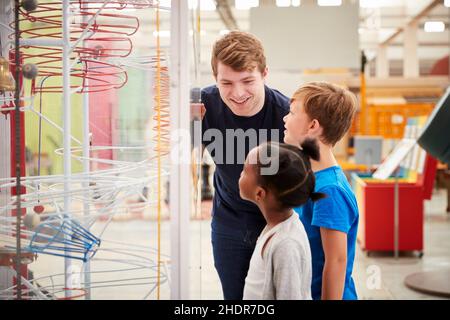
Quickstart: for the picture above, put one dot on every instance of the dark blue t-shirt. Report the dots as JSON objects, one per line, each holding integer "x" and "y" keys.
{"x": 338, "y": 211}
{"x": 229, "y": 138}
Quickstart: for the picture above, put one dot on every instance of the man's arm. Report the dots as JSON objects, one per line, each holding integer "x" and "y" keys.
{"x": 334, "y": 245}
{"x": 198, "y": 111}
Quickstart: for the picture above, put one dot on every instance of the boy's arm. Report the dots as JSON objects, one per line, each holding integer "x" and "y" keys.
{"x": 334, "y": 245}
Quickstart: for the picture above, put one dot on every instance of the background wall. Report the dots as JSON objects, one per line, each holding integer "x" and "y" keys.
{"x": 309, "y": 36}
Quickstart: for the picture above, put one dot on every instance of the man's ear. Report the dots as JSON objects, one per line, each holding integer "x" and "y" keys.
{"x": 265, "y": 73}
{"x": 260, "y": 193}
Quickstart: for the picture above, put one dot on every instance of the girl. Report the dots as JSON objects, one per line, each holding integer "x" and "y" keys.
{"x": 280, "y": 267}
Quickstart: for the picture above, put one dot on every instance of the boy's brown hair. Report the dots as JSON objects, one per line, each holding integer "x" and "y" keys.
{"x": 239, "y": 50}
{"x": 333, "y": 106}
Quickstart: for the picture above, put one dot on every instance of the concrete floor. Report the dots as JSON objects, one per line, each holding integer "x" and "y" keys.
{"x": 376, "y": 277}
{"x": 118, "y": 274}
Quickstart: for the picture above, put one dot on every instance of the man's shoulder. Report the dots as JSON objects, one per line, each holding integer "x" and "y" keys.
{"x": 210, "y": 91}
{"x": 278, "y": 99}
{"x": 210, "y": 97}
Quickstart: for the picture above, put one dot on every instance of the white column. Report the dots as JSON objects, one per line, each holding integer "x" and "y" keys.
{"x": 86, "y": 171}
{"x": 66, "y": 128}
{"x": 180, "y": 179}
{"x": 410, "y": 56}
{"x": 382, "y": 63}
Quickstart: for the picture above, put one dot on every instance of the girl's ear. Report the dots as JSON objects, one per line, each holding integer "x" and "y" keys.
{"x": 260, "y": 194}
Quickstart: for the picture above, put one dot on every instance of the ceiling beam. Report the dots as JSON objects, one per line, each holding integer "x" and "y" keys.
{"x": 224, "y": 10}
{"x": 420, "y": 44}
{"x": 413, "y": 20}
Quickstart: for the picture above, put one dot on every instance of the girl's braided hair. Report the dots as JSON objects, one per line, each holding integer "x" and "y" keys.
{"x": 294, "y": 182}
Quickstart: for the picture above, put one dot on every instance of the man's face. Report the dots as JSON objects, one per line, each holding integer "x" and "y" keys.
{"x": 297, "y": 124}
{"x": 243, "y": 92}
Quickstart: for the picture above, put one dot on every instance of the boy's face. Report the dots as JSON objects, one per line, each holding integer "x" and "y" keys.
{"x": 298, "y": 125}
{"x": 242, "y": 91}
{"x": 248, "y": 183}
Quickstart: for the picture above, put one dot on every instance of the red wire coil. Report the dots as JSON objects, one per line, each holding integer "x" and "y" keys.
{"x": 109, "y": 39}
{"x": 164, "y": 130}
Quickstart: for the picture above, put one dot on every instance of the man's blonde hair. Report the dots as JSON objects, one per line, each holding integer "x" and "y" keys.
{"x": 239, "y": 50}
{"x": 333, "y": 106}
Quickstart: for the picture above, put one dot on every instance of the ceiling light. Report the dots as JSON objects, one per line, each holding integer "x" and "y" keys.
{"x": 245, "y": 4}
{"x": 329, "y": 3}
{"x": 283, "y": 3}
{"x": 375, "y": 3}
{"x": 205, "y": 5}
{"x": 369, "y": 3}
{"x": 162, "y": 33}
{"x": 164, "y": 3}
{"x": 434, "y": 26}
{"x": 447, "y": 3}
{"x": 202, "y": 32}
{"x": 295, "y": 3}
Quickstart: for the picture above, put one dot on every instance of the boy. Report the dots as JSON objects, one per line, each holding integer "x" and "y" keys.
{"x": 324, "y": 112}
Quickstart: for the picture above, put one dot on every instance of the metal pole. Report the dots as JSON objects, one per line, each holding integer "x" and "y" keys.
{"x": 89, "y": 22}
{"x": 7, "y": 275}
{"x": 42, "y": 42}
{"x": 363, "y": 127}
{"x": 66, "y": 128}
{"x": 86, "y": 170}
{"x": 198, "y": 142}
{"x": 180, "y": 185}
{"x": 17, "y": 153}
{"x": 396, "y": 214}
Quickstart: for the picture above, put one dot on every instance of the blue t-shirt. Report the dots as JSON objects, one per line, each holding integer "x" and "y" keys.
{"x": 228, "y": 152}
{"x": 338, "y": 211}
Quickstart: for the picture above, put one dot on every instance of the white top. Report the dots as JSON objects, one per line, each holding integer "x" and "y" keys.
{"x": 254, "y": 282}
{"x": 285, "y": 270}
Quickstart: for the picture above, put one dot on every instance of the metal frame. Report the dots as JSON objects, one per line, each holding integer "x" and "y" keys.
{"x": 180, "y": 185}
{"x": 67, "y": 126}
{"x": 180, "y": 179}
{"x": 6, "y": 274}
{"x": 86, "y": 170}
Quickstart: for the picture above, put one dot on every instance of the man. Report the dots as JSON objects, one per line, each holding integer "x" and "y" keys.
{"x": 241, "y": 112}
